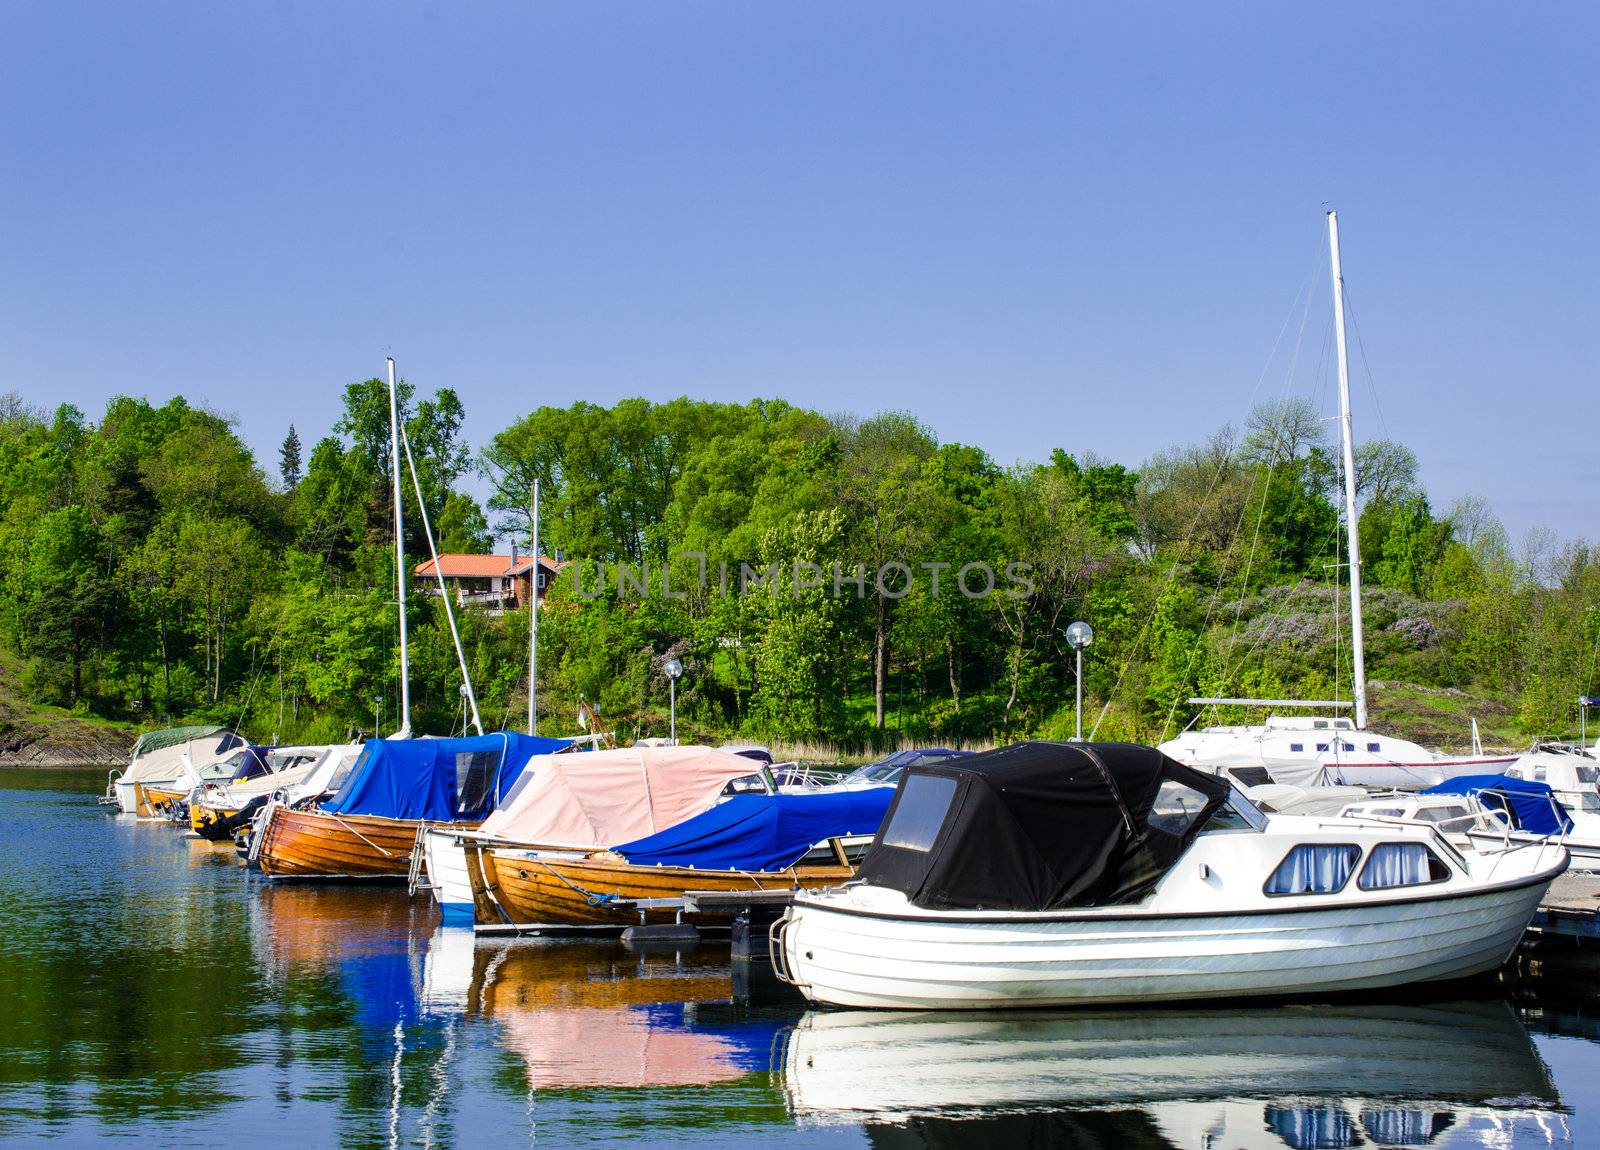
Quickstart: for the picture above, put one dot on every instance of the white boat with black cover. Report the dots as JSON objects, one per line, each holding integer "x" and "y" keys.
{"x": 1058, "y": 874}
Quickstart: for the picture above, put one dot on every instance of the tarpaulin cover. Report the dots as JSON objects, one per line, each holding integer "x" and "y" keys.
{"x": 417, "y": 778}
{"x": 171, "y": 737}
{"x": 762, "y": 832}
{"x": 606, "y": 797}
{"x": 1040, "y": 826}
{"x": 1532, "y": 805}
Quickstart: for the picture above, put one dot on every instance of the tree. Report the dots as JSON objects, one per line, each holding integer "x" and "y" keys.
{"x": 69, "y": 599}
{"x": 882, "y": 491}
{"x": 289, "y": 459}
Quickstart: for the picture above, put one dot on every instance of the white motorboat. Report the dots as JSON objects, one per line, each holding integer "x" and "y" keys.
{"x": 891, "y": 1066}
{"x": 1048, "y": 874}
{"x": 1324, "y": 750}
{"x": 1319, "y": 749}
{"x": 165, "y": 759}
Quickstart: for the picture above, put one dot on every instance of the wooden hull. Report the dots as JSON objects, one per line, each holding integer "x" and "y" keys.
{"x": 315, "y": 844}
{"x": 511, "y": 888}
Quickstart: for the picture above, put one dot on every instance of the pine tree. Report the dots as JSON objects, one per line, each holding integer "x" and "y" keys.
{"x": 289, "y": 459}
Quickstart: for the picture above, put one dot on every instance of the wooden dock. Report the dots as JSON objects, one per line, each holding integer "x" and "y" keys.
{"x": 1571, "y": 909}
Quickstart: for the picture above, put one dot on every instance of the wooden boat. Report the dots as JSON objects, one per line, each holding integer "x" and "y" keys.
{"x": 320, "y": 844}
{"x": 520, "y": 887}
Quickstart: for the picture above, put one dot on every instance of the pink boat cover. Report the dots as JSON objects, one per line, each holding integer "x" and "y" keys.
{"x": 602, "y": 798}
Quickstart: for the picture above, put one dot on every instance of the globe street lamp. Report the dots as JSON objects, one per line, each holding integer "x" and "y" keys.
{"x": 1079, "y": 636}
{"x": 672, "y": 668}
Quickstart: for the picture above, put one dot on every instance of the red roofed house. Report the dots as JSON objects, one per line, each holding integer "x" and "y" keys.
{"x": 499, "y": 582}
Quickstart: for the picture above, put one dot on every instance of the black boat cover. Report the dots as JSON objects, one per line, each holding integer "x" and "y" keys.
{"x": 1040, "y": 826}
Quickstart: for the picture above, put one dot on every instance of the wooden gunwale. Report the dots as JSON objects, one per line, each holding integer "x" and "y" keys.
{"x": 317, "y": 844}
{"x": 573, "y": 892}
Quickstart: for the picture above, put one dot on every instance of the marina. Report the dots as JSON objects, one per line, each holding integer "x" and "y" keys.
{"x": 349, "y": 1015}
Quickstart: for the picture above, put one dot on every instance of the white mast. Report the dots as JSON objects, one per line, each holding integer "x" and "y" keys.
{"x": 533, "y": 621}
{"x": 399, "y": 559}
{"x": 1357, "y": 644}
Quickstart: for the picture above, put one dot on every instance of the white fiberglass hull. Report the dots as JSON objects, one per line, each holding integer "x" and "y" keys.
{"x": 447, "y": 875}
{"x": 923, "y": 961}
{"x": 127, "y": 795}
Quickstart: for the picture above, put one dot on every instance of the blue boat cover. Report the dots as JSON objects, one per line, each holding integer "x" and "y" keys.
{"x": 253, "y": 765}
{"x": 761, "y": 832}
{"x": 1532, "y": 805}
{"x": 440, "y": 780}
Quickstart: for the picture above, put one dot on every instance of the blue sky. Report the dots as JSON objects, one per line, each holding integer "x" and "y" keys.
{"x": 1034, "y": 225}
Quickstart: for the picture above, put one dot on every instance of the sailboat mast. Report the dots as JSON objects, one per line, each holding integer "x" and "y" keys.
{"x": 533, "y": 621}
{"x": 399, "y": 558}
{"x": 1352, "y": 528}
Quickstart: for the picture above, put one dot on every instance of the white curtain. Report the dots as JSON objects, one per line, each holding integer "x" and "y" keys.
{"x": 1313, "y": 869}
{"x": 1395, "y": 864}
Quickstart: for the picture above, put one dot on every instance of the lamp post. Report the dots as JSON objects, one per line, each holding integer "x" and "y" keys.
{"x": 672, "y": 668}
{"x": 1079, "y": 636}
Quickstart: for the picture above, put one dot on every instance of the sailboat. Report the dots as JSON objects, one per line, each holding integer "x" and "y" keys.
{"x": 371, "y": 825}
{"x": 1320, "y": 748}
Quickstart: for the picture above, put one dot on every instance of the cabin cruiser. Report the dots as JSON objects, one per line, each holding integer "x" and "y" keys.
{"x": 164, "y": 759}
{"x": 1047, "y": 874}
{"x": 1320, "y": 750}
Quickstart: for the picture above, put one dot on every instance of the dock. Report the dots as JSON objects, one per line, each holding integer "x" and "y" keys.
{"x": 1571, "y": 908}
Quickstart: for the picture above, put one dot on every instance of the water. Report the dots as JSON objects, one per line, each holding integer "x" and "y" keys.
{"x": 150, "y": 990}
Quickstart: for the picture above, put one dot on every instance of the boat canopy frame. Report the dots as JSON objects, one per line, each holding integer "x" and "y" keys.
{"x": 1039, "y": 826}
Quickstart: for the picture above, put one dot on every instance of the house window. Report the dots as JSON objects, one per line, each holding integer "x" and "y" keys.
{"x": 1314, "y": 869}
{"x": 1401, "y": 864}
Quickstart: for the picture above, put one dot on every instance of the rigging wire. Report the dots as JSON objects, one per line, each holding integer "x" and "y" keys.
{"x": 1221, "y": 467}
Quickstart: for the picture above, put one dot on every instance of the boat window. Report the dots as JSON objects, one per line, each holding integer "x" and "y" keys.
{"x": 1385, "y": 812}
{"x": 919, "y": 812}
{"x": 475, "y": 771}
{"x": 1314, "y": 868}
{"x": 1320, "y": 725}
{"x": 1444, "y": 814}
{"x": 1250, "y": 776}
{"x": 1374, "y": 747}
{"x": 1584, "y": 801}
{"x": 1176, "y": 807}
{"x": 745, "y": 785}
{"x": 1344, "y": 724}
{"x": 1401, "y": 864}
{"x": 1585, "y": 774}
{"x": 1349, "y": 746}
{"x": 1322, "y": 746}
{"x": 343, "y": 772}
{"x": 1297, "y": 747}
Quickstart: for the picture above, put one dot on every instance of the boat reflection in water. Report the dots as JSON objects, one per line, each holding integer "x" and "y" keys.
{"x": 595, "y": 1015}
{"x": 1446, "y": 1074}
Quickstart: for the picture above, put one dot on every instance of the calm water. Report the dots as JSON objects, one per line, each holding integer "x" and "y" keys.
{"x": 149, "y": 990}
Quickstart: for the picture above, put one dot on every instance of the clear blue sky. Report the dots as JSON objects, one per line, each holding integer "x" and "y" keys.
{"x": 1034, "y": 225}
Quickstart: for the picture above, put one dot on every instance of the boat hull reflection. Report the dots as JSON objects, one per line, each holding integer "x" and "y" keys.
{"x": 1396, "y": 1073}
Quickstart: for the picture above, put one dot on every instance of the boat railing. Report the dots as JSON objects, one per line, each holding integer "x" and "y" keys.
{"x": 775, "y": 954}
{"x": 109, "y": 799}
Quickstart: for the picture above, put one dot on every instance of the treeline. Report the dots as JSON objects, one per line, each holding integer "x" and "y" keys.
{"x": 821, "y": 578}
